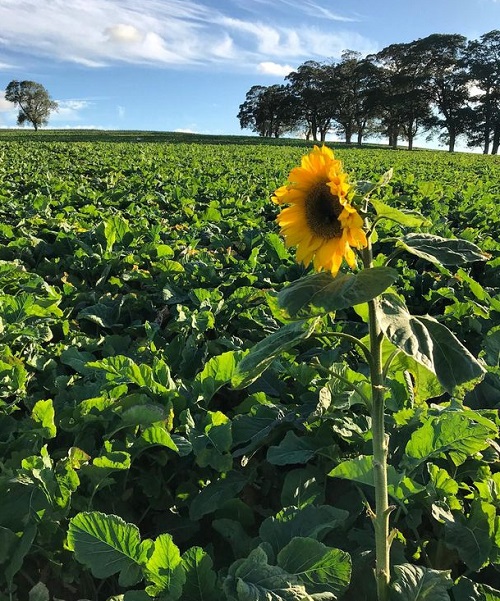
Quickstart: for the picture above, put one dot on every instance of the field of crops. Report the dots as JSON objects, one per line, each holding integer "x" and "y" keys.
{"x": 135, "y": 463}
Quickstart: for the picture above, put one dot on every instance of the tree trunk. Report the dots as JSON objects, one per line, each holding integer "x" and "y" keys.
{"x": 451, "y": 143}
{"x": 348, "y": 135}
{"x": 314, "y": 129}
{"x": 487, "y": 133}
{"x": 360, "y": 137}
{"x": 496, "y": 139}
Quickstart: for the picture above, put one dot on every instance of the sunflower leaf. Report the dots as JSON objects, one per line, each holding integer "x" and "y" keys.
{"x": 405, "y": 218}
{"x": 265, "y": 352}
{"x": 440, "y": 250}
{"x": 321, "y": 293}
{"x": 415, "y": 583}
{"x": 429, "y": 342}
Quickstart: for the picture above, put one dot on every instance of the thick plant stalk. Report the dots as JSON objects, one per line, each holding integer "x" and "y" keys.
{"x": 380, "y": 518}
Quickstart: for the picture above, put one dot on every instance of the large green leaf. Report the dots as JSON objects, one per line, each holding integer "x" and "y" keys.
{"x": 210, "y": 498}
{"x": 120, "y": 369}
{"x": 455, "y": 434}
{"x": 253, "y": 579}
{"x": 321, "y": 293}
{"x": 212, "y": 440}
{"x": 292, "y": 449}
{"x": 108, "y": 545}
{"x": 115, "y": 229}
{"x": 18, "y": 552}
{"x": 406, "y": 218}
{"x": 164, "y": 569}
{"x": 472, "y": 537}
{"x": 201, "y": 580}
{"x": 428, "y": 342}
{"x": 43, "y": 414}
{"x": 415, "y": 583}
{"x": 216, "y": 372}
{"x": 265, "y": 352}
{"x": 320, "y": 568}
{"x": 443, "y": 251}
{"x": 8, "y": 541}
{"x": 301, "y": 487}
{"x": 310, "y": 521}
{"x": 360, "y": 470}
{"x": 467, "y": 590}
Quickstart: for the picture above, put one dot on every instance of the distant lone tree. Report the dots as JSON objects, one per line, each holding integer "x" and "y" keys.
{"x": 33, "y": 100}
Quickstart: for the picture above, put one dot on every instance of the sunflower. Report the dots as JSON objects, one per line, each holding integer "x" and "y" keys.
{"x": 320, "y": 222}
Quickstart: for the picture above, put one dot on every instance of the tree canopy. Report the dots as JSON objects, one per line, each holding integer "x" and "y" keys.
{"x": 441, "y": 84}
{"x": 33, "y": 101}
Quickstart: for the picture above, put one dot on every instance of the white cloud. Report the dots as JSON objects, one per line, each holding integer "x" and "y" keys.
{"x": 312, "y": 9}
{"x": 307, "y": 7}
{"x": 124, "y": 34}
{"x": 121, "y": 111}
{"x": 69, "y": 110}
{"x": 95, "y": 33}
{"x": 270, "y": 68}
{"x": 287, "y": 42}
{"x": 5, "y": 105}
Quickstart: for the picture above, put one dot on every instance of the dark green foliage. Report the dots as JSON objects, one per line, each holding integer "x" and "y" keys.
{"x": 145, "y": 453}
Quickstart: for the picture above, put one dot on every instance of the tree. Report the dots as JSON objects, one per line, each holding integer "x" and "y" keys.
{"x": 483, "y": 61}
{"x": 269, "y": 111}
{"x": 349, "y": 86}
{"x": 442, "y": 58}
{"x": 33, "y": 100}
{"x": 404, "y": 97}
{"x": 308, "y": 86}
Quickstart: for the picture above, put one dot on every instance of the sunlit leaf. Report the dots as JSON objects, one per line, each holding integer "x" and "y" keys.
{"x": 164, "y": 569}
{"x": 265, "y": 352}
{"x": 201, "y": 579}
{"x": 108, "y": 545}
{"x": 411, "y": 219}
{"x": 443, "y": 251}
{"x": 428, "y": 342}
{"x": 320, "y": 568}
{"x": 321, "y": 293}
{"x": 416, "y": 583}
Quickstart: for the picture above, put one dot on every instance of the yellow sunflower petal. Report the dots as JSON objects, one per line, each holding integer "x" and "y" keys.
{"x": 320, "y": 221}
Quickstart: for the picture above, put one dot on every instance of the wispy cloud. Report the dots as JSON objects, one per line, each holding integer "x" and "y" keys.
{"x": 313, "y": 9}
{"x": 299, "y": 7}
{"x": 95, "y": 33}
{"x": 69, "y": 110}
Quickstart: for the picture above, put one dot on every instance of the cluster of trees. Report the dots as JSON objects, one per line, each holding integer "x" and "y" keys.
{"x": 32, "y": 100}
{"x": 439, "y": 85}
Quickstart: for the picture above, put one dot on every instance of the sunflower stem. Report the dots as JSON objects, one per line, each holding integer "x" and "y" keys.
{"x": 380, "y": 518}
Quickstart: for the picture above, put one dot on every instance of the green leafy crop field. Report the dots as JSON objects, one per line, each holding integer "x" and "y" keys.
{"x": 135, "y": 274}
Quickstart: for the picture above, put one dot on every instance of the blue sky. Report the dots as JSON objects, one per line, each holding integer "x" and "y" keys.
{"x": 186, "y": 65}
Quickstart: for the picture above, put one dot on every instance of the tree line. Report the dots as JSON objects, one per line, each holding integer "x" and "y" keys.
{"x": 440, "y": 85}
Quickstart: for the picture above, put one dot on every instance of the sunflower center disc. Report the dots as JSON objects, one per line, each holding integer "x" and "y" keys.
{"x": 322, "y": 212}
